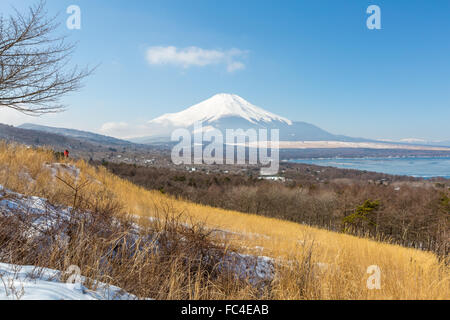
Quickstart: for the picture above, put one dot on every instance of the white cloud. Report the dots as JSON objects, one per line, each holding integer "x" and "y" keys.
{"x": 108, "y": 126}
{"x": 195, "y": 56}
{"x": 14, "y": 117}
{"x": 123, "y": 130}
{"x": 115, "y": 128}
{"x": 234, "y": 66}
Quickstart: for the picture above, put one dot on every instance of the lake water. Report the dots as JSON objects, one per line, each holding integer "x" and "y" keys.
{"x": 416, "y": 167}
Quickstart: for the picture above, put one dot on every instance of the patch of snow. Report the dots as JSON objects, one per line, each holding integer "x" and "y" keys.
{"x": 42, "y": 214}
{"x": 33, "y": 283}
{"x": 203, "y": 130}
{"x": 255, "y": 269}
{"x": 58, "y": 168}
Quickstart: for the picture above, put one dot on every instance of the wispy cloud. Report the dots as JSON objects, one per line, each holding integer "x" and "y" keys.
{"x": 115, "y": 128}
{"x": 234, "y": 66}
{"x": 13, "y": 117}
{"x": 195, "y": 56}
{"x": 123, "y": 130}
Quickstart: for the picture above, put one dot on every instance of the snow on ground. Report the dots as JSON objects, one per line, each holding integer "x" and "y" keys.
{"x": 32, "y": 283}
{"x": 58, "y": 168}
{"x": 255, "y": 269}
{"x": 45, "y": 216}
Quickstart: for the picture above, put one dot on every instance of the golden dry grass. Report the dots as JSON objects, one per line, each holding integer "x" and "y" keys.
{"x": 344, "y": 259}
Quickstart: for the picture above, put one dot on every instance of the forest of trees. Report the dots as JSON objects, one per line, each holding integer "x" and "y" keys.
{"x": 410, "y": 215}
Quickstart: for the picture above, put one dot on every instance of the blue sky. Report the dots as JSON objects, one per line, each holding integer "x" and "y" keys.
{"x": 313, "y": 61}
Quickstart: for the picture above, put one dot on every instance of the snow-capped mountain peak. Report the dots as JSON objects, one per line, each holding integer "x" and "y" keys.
{"x": 219, "y": 106}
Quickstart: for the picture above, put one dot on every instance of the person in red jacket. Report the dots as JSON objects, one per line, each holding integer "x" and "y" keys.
{"x": 66, "y": 153}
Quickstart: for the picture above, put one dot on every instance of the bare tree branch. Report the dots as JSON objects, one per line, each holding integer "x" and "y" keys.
{"x": 34, "y": 72}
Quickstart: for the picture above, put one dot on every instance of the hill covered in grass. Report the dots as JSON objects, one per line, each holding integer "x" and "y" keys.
{"x": 191, "y": 251}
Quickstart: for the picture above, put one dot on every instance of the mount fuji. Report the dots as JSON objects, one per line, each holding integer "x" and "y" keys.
{"x": 229, "y": 111}
{"x": 219, "y": 107}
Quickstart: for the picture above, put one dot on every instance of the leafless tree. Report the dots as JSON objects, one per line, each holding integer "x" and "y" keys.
{"x": 34, "y": 72}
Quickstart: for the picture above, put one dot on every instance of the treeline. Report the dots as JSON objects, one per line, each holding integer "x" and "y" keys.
{"x": 410, "y": 214}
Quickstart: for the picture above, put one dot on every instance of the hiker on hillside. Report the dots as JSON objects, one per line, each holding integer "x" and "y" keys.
{"x": 66, "y": 153}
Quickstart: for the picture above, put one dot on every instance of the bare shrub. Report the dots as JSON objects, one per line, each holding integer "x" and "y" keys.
{"x": 162, "y": 258}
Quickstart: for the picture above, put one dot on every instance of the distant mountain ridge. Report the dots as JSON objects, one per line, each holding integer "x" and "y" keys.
{"x": 60, "y": 139}
{"x": 422, "y": 142}
{"x": 39, "y": 138}
{"x": 77, "y": 134}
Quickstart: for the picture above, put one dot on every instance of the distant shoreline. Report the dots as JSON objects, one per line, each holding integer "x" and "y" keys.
{"x": 370, "y": 158}
{"x": 356, "y": 145}
{"x": 422, "y": 166}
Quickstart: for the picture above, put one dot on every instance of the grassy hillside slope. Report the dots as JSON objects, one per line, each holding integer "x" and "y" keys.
{"x": 316, "y": 264}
